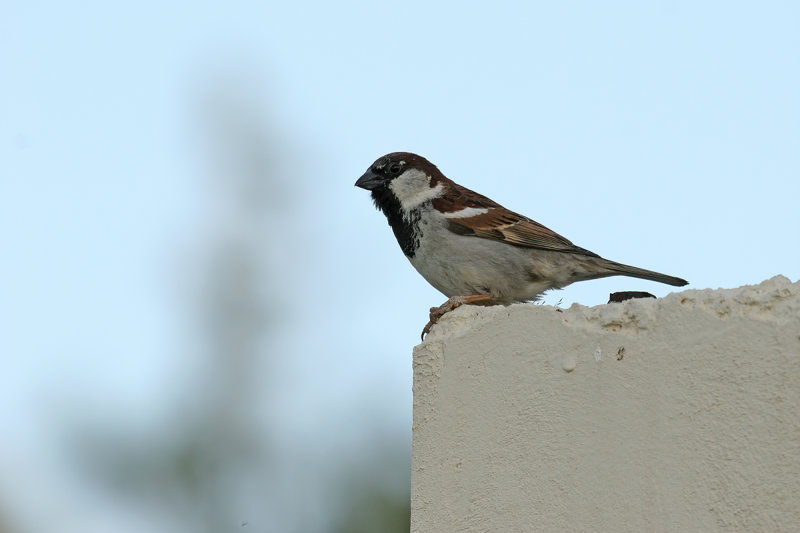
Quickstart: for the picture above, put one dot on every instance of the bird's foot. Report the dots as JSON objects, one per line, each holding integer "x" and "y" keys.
{"x": 453, "y": 302}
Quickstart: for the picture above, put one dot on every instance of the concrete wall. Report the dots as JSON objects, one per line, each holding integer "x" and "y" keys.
{"x": 677, "y": 414}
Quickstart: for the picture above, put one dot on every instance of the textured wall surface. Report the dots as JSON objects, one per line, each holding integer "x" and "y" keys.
{"x": 677, "y": 414}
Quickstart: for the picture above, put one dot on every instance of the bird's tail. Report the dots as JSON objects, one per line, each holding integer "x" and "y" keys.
{"x": 635, "y": 272}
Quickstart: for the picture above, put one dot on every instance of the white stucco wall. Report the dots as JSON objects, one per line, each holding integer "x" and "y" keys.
{"x": 527, "y": 419}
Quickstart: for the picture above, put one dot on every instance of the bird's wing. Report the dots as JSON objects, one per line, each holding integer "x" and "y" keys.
{"x": 471, "y": 214}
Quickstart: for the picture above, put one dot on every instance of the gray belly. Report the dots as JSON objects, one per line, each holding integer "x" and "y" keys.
{"x": 459, "y": 265}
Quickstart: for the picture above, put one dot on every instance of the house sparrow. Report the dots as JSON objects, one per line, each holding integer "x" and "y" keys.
{"x": 473, "y": 249}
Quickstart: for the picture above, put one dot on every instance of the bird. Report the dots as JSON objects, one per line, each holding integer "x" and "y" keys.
{"x": 472, "y": 249}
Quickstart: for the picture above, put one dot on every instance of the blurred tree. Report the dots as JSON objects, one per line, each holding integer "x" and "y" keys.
{"x": 375, "y": 501}
{"x": 5, "y": 523}
{"x": 218, "y": 470}
{"x": 219, "y": 450}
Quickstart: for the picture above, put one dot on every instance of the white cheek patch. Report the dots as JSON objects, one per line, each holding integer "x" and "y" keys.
{"x": 467, "y": 212}
{"x": 413, "y": 188}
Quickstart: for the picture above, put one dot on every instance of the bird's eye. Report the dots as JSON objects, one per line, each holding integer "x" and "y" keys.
{"x": 394, "y": 169}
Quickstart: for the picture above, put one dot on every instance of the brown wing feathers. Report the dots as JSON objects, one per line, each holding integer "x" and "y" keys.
{"x": 498, "y": 223}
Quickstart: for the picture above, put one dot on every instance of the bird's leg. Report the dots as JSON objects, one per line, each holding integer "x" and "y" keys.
{"x": 452, "y": 303}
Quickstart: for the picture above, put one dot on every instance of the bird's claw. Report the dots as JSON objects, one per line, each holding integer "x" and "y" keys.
{"x": 453, "y": 302}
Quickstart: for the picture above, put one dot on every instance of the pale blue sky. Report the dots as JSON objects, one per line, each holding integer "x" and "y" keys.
{"x": 659, "y": 134}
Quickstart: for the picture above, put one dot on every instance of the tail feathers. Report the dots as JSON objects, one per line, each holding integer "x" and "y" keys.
{"x": 635, "y": 272}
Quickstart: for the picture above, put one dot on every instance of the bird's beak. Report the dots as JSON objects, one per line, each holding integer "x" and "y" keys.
{"x": 370, "y": 180}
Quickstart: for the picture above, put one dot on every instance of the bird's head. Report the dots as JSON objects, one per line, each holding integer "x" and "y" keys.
{"x": 409, "y": 178}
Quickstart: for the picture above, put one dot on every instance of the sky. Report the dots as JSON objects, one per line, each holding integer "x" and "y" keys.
{"x": 659, "y": 134}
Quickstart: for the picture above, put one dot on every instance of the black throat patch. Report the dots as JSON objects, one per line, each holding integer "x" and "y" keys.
{"x": 406, "y": 229}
